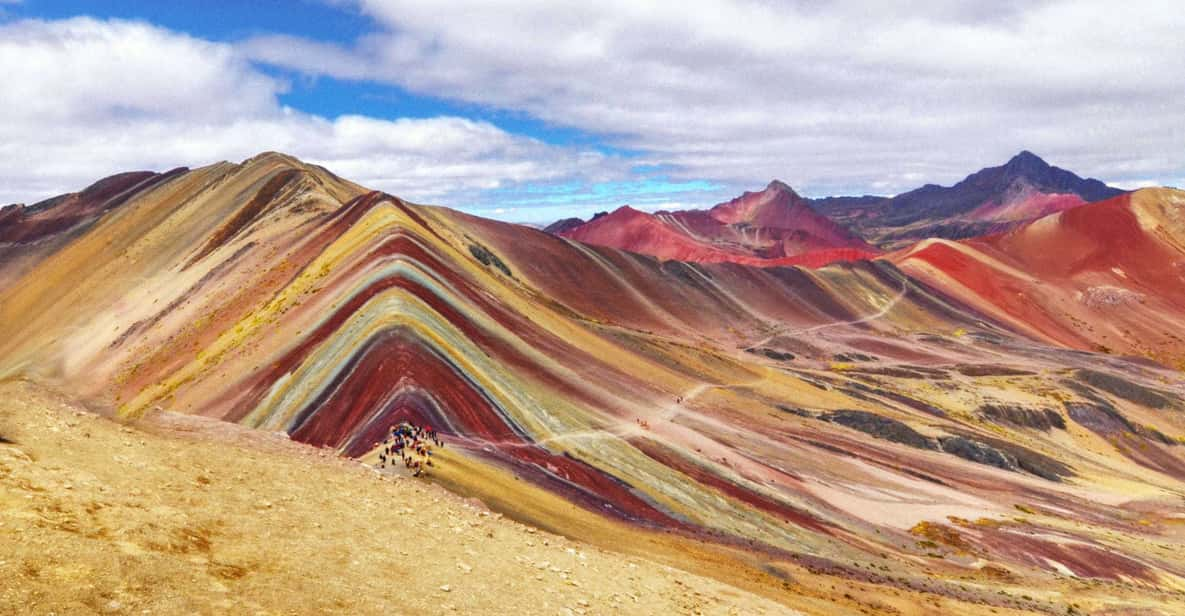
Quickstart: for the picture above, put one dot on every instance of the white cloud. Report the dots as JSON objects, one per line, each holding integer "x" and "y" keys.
{"x": 82, "y": 69}
{"x": 85, "y": 98}
{"x": 1137, "y": 184}
{"x": 824, "y": 95}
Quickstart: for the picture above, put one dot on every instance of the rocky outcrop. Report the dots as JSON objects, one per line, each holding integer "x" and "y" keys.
{"x": 1125, "y": 389}
{"x": 1022, "y": 416}
{"x": 978, "y": 370}
{"x": 977, "y": 452}
{"x": 771, "y": 353}
{"x": 880, "y": 427}
{"x": 1101, "y": 418}
{"x": 1027, "y": 460}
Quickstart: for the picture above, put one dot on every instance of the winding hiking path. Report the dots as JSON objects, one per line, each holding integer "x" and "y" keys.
{"x": 879, "y": 314}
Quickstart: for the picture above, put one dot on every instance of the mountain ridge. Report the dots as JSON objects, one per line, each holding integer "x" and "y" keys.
{"x": 774, "y": 226}
{"x": 987, "y": 201}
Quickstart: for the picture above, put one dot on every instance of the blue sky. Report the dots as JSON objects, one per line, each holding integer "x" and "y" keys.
{"x": 219, "y": 20}
{"x": 531, "y": 111}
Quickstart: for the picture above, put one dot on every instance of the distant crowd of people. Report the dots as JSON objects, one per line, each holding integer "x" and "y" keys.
{"x": 412, "y": 444}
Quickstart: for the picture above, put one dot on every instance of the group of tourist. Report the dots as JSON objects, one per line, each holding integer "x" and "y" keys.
{"x": 413, "y": 445}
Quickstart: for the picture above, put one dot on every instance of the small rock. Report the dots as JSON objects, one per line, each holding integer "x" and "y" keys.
{"x": 446, "y": 588}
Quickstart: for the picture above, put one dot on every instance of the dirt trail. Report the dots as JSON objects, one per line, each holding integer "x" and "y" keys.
{"x": 784, "y": 331}
{"x": 182, "y": 514}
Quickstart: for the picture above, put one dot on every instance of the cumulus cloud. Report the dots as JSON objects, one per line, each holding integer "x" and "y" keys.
{"x": 831, "y": 96}
{"x": 84, "y": 98}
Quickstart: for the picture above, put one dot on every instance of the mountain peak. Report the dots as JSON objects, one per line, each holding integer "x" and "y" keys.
{"x": 272, "y": 155}
{"x": 563, "y": 224}
{"x": 780, "y": 186}
{"x": 1026, "y": 161}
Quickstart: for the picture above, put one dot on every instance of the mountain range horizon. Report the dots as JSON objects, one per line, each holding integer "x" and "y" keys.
{"x": 1021, "y": 161}
{"x": 988, "y": 201}
{"x": 1013, "y": 162}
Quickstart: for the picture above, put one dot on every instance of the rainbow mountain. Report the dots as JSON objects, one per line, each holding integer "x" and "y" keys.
{"x": 966, "y": 426}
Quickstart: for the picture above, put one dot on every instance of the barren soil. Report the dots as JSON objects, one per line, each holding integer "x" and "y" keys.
{"x": 179, "y": 514}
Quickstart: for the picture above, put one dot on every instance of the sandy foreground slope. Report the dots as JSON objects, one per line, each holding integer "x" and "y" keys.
{"x": 181, "y": 514}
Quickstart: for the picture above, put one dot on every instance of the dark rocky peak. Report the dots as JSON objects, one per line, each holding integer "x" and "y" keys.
{"x": 1026, "y": 162}
{"x": 562, "y": 225}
